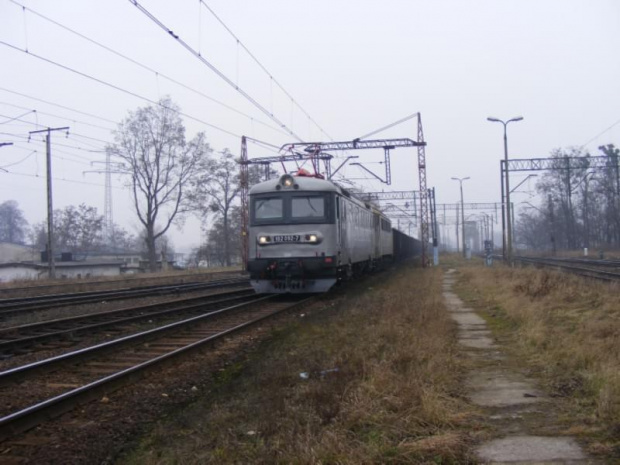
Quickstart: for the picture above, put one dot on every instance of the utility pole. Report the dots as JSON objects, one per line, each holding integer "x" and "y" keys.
{"x": 458, "y": 243}
{"x": 50, "y": 209}
{"x": 460, "y": 180}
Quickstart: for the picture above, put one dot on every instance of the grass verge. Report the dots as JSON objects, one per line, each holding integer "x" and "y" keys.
{"x": 371, "y": 378}
{"x": 567, "y": 330}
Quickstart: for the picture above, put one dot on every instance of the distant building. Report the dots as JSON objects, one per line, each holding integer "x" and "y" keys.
{"x": 131, "y": 260}
{"x": 10, "y": 252}
{"x": 472, "y": 236}
{"x": 65, "y": 270}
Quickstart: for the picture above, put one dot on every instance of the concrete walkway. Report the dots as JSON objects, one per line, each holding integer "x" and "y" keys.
{"x": 511, "y": 401}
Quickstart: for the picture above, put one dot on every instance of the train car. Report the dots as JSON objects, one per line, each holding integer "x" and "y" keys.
{"x": 306, "y": 233}
{"x": 405, "y": 246}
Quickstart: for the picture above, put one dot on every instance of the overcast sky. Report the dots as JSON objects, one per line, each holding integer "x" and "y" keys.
{"x": 352, "y": 65}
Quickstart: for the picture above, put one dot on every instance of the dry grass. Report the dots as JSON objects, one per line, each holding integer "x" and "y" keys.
{"x": 567, "y": 328}
{"x": 396, "y": 397}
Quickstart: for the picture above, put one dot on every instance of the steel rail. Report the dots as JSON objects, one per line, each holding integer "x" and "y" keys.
{"x": 18, "y": 337}
{"x": 582, "y": 271}
{"x": 71, "y": 295}
{"x": 136, "y": 280}
{"x": 583, "y": 261}
{"x": 131, "y": 339}
{"x": 61, "y": 300}
{"x": 30, "y": 417}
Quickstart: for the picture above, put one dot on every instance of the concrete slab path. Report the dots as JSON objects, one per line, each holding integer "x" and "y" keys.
{"x": 508, "y": 397}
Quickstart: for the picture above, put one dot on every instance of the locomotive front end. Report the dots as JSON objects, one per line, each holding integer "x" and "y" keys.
{"x": 292, "y": 240}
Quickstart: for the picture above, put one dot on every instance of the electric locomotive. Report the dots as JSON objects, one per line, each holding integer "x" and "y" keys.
{"x": 306, "y": 233}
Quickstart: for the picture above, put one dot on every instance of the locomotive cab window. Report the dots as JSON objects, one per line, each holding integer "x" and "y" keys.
{"x": 310, "y": 206}
{"x": 269, "y": 208}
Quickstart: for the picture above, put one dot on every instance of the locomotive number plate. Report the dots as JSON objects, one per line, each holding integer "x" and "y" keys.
{"x": 287, "y": 238}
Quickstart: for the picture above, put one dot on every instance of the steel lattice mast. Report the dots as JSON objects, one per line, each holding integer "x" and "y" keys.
{"x": 424, "y": 224}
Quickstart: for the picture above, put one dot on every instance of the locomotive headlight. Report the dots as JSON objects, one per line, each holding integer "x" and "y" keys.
{"x": 287, "y": 181}
{"x": 263, "y": 239}
{"x": 312, "y": 238}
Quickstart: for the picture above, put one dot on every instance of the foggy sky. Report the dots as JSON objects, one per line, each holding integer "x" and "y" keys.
{"x": 353, "y": 65}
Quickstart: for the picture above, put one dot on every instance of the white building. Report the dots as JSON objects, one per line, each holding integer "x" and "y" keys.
{"x": 10, "y": 252}
{"x": 64, "y": 270}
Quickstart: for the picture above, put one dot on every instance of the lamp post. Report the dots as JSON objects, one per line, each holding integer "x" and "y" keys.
{"x": 460, "y": 180}
{"x": 508, "y": 218}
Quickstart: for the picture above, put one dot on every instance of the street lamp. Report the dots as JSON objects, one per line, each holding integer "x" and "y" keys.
{"x": 508, "y": 220}
{"x": 460, "y": 180}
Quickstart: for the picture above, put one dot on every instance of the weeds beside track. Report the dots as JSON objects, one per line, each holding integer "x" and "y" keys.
{"x": 95, "y": 371}
{"x": 581, "y": 267}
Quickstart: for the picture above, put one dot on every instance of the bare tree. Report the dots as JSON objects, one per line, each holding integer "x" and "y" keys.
{"x": 76, "y": 229}
{"x": 13, "y": 225}
{"x": 214, "y": 191}
{"x": 160, "y": 163}
{"x": 582, "y": 203}
{"x": 121, "y": 240}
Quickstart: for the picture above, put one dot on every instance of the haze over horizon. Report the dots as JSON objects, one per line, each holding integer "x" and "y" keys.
{"x": 352, "y": 66}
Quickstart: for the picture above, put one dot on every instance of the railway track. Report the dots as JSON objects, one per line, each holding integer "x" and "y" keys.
{"x": 12, "y": 306}
{"x": 76, "y": 286}
{"x": 47, "y": 335}
{"x": 59, "y": 384}
{"x": 576, "y": 266}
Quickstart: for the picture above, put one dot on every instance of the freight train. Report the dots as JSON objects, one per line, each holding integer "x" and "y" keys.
{"x": 307, "y": 233}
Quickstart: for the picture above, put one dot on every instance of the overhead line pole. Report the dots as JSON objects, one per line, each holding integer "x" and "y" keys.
{"x": 50, "y": 209}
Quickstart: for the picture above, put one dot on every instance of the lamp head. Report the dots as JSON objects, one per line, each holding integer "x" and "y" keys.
{"x": 495, "y": 120}
{"x": 516, "y": 118}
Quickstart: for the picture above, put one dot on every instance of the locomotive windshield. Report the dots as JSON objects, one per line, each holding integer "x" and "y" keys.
{"x": 292, "y": 208}
{"x": 308, "y": 207}
{"x": 268, "y": 208}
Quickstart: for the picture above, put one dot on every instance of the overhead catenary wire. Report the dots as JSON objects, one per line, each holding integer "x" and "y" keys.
{"x": 158, "y": 74}
{"x": 600, "y": 134}
{"x": 66, "y": 118}
{"x": 101, "y": 149}
{"x": 219, "y": 73}
{"x": 20, "y": 161}
{"x": 391, "y": 125}
{"x": 15, "y": 118}
{"x": 70, "y": 157}
{"x": 118, "y": 88}
{"x": 16, "y": 173}
{"x": 57, "y": 105}
{"x": 73, "y": 156}
{"x": 72, "y": 133}
{"x": 262, "y": 67}
{"x": 60, "y": 144}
